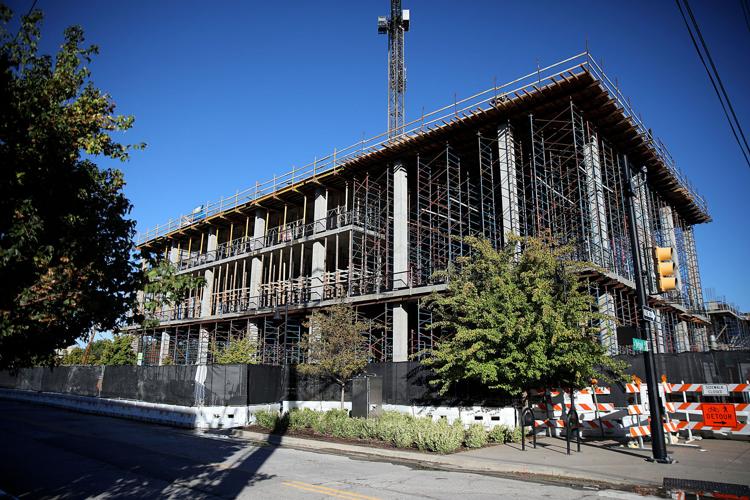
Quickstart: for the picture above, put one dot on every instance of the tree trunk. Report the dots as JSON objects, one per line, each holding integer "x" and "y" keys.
{"x": 342, "y": 396}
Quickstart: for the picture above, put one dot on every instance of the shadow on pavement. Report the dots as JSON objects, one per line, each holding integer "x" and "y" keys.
{"x": 71, "y": 455}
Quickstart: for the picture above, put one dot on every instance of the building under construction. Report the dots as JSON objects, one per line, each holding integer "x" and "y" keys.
{"x": 730, "y": 328}
{"x": 370, "y": 224}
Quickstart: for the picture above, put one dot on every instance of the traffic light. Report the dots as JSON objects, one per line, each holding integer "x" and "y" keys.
{"x": 665, "y": 277}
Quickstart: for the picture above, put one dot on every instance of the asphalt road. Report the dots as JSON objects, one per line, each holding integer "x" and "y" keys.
{"x": 54, "y": 453}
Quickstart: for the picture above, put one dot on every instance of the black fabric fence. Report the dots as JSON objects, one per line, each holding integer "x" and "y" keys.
{"x": 226, "y": 385}
{"x": 723, "y": 367}
{"x": 717, "y": 367}
{"x": 173, "y": 385}
{"x": 404, "y": 383}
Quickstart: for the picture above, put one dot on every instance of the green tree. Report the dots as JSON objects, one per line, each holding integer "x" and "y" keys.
{"x": 513, "y": 322}
{"x": 96, "y": 352}
{"x": 72, "y": 357}
{"x": 118, "y": 351}
{"x": 65, "y": 239}
{"x": 164, "y": 288}
{"x": 335, "y": 345}
{"x": 237, "y": 352}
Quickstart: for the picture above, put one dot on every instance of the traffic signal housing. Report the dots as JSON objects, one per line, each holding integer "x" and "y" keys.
{"x": 665, "y": 271}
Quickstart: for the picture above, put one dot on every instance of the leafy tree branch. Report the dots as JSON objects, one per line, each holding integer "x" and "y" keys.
{"x": 518, "y": 318}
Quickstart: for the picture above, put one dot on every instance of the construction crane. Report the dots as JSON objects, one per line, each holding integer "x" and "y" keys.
{"x": 395, "y": 27}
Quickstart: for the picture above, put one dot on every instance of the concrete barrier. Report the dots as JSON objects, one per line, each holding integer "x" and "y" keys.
{"x": 204, "y": 417}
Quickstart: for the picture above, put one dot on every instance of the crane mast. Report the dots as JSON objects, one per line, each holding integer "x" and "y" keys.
{"x": 395, "y": 26}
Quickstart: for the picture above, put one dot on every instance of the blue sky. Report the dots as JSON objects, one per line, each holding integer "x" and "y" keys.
{"x": 227, "y": 93}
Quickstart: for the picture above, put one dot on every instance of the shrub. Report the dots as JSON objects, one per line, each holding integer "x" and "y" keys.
{"x": 303, "y": 419}
{"x": 401, "y": 430}
{"x": 403, "y": 434}
{"x": 368, "y": 428}
{"x": 421, "y": 432}
{"x": 341, "y": 427}
{"x": 515, "y": 436}
{"x": 445, "y": 438}
{"x": 396, "y": 428}
{"x": 330, "y": 422}
{"x": 475, "y": 436}
{"x": 351, "y": 428}
{"x": 500, "y": 434}
{"x": 266, "y": 419}
{"x": 319, "y": 426}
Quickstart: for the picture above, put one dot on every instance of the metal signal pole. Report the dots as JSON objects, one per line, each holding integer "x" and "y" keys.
{"x": 395, "y": 27}
{"x": 658, "y": 443}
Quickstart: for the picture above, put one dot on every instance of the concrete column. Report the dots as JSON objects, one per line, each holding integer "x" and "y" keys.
{"x": 659, "y": 332}
{"x": 253, "y": 333}
{"x": 400, "y": 333}
{"x": 174, "y": 255}
{"x": 608, "y": 327}
{"x": 696, "y": 287}
{"x": 669, "y": 238}
{"x": 682, "y": 339}
{"x": 318, "y": 268}
{"x": 208, "y": 288}
{"x": 400, "y": 259}
{"x": 508, "y": 181}
{"x": 320, "y": 208}
{"x": 700, "y": 337}
{"x": 645, "y": 236}
{"x": 400, "y": 227}
{"x": 203, "y": 341}
{"x": 256, "y": 264}
{"x": 164, "y": 349}
{"x": 599, "y": 251}
{"x": 136, "y": 344}
{"x": 141, "y": 294}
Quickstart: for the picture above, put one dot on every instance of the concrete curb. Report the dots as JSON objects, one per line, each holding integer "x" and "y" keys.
{"x": 457, "y": 462}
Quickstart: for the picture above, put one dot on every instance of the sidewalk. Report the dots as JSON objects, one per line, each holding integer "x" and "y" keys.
{"x": 603, "y": 463}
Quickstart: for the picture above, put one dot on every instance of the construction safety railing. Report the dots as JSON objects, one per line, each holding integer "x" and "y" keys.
{"x": 624, "y": 103}
{"x": 481, "y": 101}
{"x": 288, "y": 295}
{"x": 287, "y": 233}
{"x": 723, "y": 306}
{"x": 185, "y": 309}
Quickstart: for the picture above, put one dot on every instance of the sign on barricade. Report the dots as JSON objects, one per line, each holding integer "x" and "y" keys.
{"x": 716, "y": 417}
{"x": 719, "y": 415}
{"x": 632, "y": 421}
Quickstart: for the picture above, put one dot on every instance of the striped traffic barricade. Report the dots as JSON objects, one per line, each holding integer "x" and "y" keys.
{"x": 690, "y": 409}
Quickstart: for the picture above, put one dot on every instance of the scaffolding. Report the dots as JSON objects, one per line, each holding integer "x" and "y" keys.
{"x": 445, "y": 213}
{"x": 730, "y": 327}
{"x": 534, "y": 158}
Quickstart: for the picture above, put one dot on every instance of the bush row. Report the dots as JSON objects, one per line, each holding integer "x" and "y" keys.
{"x": 401, "y": 430}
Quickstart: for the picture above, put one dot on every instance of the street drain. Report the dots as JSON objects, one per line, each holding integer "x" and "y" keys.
{"x": 706, "y": 488}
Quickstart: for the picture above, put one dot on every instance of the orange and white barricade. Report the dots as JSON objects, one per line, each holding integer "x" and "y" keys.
{"x": 637, "y": 422}
{"x": 594, "y": 416}
{"x": 692, "y": 412}
{"x": 732, "y": 388}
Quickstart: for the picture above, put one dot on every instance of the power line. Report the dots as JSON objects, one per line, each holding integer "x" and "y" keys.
{"x": 746, "y": 12}
{"x": 716, "y": 72}
{"x": 714, "y": 78}
{"x": 22, "y": 28}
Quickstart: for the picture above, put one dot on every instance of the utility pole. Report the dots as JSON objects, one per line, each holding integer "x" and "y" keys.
{"x": 395, "y": 27}
{"x": 658, "y": 443}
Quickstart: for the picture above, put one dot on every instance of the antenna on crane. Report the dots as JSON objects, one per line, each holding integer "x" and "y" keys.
{"x": 395, "y": 27}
